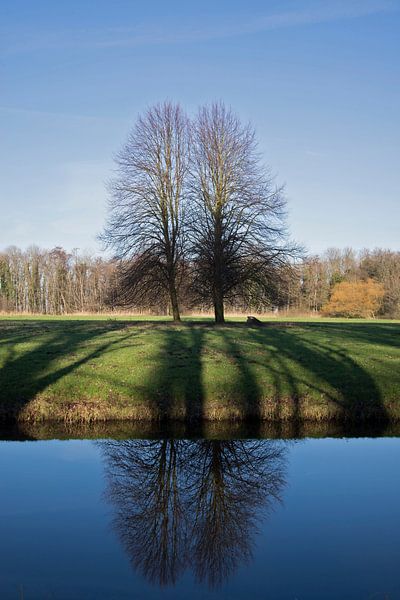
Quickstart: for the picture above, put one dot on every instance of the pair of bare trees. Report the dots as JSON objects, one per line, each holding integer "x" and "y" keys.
{"x": 193, "y": 194}
{"x": 192, "y": 504}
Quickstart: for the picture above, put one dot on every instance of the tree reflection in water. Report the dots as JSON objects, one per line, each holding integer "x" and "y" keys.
{"x": 229, "y": 483}
{"x": 191, "y": 504}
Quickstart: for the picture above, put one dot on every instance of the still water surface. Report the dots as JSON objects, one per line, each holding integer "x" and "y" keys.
{"x": 274, "y": 519}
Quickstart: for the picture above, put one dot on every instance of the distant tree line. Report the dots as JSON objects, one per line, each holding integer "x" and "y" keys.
{"x": 57, "y": 282}
{"x": 319, "y": 277}
{"x": 54, "y": 281}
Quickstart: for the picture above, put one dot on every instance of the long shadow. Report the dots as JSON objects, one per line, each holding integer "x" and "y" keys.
{"x": 307, "y": 365}
{"x": 177, "y": 374}
{"x": 293, "y": 366}
{"x": 24, "y": 375}
{"x": 249, "y": 392}
{"x": 279, "y": 363}
{"x": 173, "y": 390}
{"x": 384, "y": 333}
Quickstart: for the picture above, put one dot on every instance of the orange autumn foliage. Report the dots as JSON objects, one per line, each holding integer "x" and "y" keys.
{"x": 359, "y": 299}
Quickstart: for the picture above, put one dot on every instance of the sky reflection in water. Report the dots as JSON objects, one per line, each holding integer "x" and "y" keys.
{"x": 201, "y": 518}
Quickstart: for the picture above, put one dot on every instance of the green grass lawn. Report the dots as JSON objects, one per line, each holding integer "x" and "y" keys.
{"x": 83, "y": 369}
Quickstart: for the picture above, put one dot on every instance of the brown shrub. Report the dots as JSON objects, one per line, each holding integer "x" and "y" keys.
{"x": 354, "y": 299}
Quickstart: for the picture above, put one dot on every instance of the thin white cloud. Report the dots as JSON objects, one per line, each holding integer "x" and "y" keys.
{"x": 142, "y": 36}
{"x": 314, "y": 154}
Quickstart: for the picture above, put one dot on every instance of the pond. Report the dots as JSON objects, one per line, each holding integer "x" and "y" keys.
{"x": 200, "y": 518}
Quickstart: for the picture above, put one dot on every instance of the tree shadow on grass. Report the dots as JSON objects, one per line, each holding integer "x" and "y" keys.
{"x": 172, "y": 386}
{"x": 280, "y": 364}
{"x": 319, "y": 365}
{"x": 177, "y": 378}
{"x": 386, "y": 334}
{"x": 302, "y": 366}
{"x": 249, "y": 392}
{"x": 26, "y": 374}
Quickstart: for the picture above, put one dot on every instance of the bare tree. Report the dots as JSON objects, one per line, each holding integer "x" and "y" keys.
{"x": 146, "y": 210}
{"x": 238, "y": 213}
{"x": 233, "y": 486}
{"x": 147, "y": 489}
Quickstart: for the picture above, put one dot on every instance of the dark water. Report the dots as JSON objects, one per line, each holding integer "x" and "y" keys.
{"x": 239, "y": 519}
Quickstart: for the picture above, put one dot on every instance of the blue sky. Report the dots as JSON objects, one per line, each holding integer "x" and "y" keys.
{"x": 319, "y": 80}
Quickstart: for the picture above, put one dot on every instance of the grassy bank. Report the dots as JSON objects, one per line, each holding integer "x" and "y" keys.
{"x": 77, "y": 369}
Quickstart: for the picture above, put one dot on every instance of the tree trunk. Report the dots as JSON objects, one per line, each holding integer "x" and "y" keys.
{"x": 217, "y": 292}
{"x": 219, "y": 308}
{"x": 174, "y": 302}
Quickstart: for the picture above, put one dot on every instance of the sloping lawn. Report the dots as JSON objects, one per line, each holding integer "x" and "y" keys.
{"x": 83, "y": 369}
